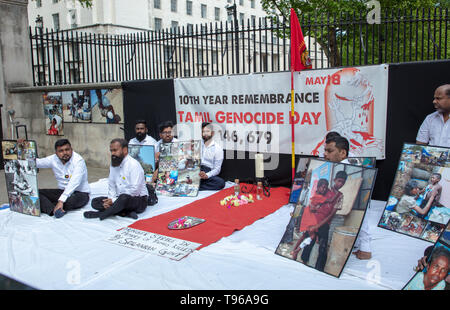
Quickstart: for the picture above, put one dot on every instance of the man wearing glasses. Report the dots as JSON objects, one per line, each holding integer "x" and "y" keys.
{"x": 166, "y": 134}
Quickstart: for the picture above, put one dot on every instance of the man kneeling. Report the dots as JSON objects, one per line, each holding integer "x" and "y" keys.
{"x": 127, "y": 192}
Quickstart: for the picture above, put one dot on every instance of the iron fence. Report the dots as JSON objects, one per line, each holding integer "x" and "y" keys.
{"x": 74, "y": 56}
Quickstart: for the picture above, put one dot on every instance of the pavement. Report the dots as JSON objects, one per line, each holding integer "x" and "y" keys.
{"x": 46, "y": 179}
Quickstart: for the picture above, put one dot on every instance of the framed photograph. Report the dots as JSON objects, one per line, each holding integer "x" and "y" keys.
{"x": 53, "y": 111}
{"x": 179, "y": 168}
{"x": 145, "y": 155}
{"x": 21, "y": 176}
{"x": 433, "y": 276}
{"x": 107, "y": 106}
{"x": 419, "y": 201}
{"x": 327, "y": 218}
{"x": 77, "y": 106}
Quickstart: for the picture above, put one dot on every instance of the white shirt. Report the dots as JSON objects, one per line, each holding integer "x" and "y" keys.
{"x": 147, "y": 141}
{"x": 127, "y": 178}
{"x": 212, "y": 157}
{"x": 71, "y": 176}
{"x": 434, "y": 131}
{"x": 161, "y": 141}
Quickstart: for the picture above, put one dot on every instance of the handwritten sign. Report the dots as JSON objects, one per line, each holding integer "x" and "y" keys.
{"x": 164, "y": 246}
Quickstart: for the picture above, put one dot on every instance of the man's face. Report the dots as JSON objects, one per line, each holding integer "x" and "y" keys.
{"x": 437, "y": 271}
{"x": 64, "y": 152}
{"x": 441, "y": 100}
{"x": 332, "y": 153}
{"x": 166, "y": 135}
{"x": 140, "y": 129}
{"x": 117, "y": 153}
{"x": 207, "y": 133}
{"x": 338, "y": 183}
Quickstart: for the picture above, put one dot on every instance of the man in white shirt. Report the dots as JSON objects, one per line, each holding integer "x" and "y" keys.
{"x": 71, "y": 174}
{"x": 336, "y": 150}
{"x": 166, "y": 135}
{"x": 211, "y": 161}
{"x": 127, "y": 191}
{"x": 435, "y": 129}
{"x": 142, "y": 138}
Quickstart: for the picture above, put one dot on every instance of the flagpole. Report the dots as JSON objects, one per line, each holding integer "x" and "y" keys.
{"x": 292, "y": 124}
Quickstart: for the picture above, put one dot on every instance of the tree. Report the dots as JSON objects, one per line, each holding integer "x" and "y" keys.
{"x": 327, "y": 12}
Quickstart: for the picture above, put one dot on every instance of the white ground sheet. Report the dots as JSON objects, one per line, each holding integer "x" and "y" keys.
{"x": 71, "y": 253}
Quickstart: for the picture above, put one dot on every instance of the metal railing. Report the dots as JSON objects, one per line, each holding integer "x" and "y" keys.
{"x": 72, "y": 56}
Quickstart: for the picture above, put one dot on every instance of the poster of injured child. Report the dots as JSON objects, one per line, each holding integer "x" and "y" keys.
{"x": 179, "y": 168}
{"x": 327, "y": 218}
{"x": 53, "y": 111}
{"x": 435, "y": 274}
{"x": 107, "y": 106}
{"x": 419, "y": 202}
{"x": 21, "y": 177}
{"x": 145, "y": 155}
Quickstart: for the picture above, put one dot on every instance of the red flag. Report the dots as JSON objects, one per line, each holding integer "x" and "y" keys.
{"x": 299, "y": 55}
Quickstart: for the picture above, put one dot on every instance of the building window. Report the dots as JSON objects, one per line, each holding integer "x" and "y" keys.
{"x": 253, "y": 19}
{"x": 252, "y": 4}
{"x": 55, "y": 21}
{"x": 241, "y": 18}
{"x": 217, "y": 14}
{"x": 241, "y": 2}
{"x": 174, "y": 25}
{"x": 203, "y": 10}
{"x": 173, "y": 5}
{"x": 158, "y": 23}
{"x": 157, "y": 4}
{"x": 55, "y": 1}
{"x": 38, "y": 3}
{"x": 189, "y": 7}
{"x": 73, "y": 18}
{"x": 190, "y": 29}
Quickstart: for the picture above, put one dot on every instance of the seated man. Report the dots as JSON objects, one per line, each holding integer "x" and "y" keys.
{"x": 166, "y": 135}
{"x": 127, "y": 191}
{"x": 142, "y": 138}
{"x": 337, "y": 150}
{"x": 71, "y": 174}
{"x": 212, "y": 158}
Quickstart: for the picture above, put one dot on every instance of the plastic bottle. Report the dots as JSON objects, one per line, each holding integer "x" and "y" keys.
{"x": 237, "y": 188}
{"x": 259, "y": 191}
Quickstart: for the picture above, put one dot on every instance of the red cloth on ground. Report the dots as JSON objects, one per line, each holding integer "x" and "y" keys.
{"x": 220, "y": 220}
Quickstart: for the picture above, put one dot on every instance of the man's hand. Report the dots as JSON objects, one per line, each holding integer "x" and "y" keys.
{"x": 107, "y": 203}
{"x": 20, "y": 141}
{"x": 59, "y": 205}
{"x": 203, "y": 175}
{"x": 421, "y": 264}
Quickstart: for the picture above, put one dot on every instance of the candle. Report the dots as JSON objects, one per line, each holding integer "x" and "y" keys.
{"x": 259, "y": 166}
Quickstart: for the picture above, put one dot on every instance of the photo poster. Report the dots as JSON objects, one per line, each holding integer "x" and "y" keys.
{"x": 433, "y": 276}
{"x": 145, "y": 155}
{"x": 21, "y": 176}
{"x": 179, "y": 168}
{"x": 302, "y": 167}
{"x": 107, "y": 106}
{"x": 419, "y": 201}
{"x": 326, "y": 193}
{"x": 53, "y": 111}
{"x": 77, "y": 106}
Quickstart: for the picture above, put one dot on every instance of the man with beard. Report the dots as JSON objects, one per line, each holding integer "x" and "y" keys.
{"x": 127, "y": 191}
{"x": 142, "y": 138}
{"x": 212, "y": 158}
{"x": 71, "y": 174}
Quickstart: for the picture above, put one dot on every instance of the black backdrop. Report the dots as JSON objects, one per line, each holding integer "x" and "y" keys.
{"x": 410, "y": 96}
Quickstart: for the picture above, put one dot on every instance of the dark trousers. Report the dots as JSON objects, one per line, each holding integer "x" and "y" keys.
{"x": 123, "y": 205}
{"x": 322, "y": 233}
{"x": 48, "y": 198}
{"x": 212, "y": 183}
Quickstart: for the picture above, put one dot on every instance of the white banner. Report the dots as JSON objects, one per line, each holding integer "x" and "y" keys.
{"x": 252, "y": 112}
{"x": 165, "y": 246}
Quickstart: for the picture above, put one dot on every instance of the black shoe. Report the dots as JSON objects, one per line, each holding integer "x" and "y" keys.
{"x": 133, "y": 215}
{"x": 91, "y": 214}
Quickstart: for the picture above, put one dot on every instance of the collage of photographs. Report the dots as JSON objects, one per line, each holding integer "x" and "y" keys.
{"x": 436, "y": 269}
{"x": 21, "y": 176}
{"x": 179, "y": 168}
{"x": 419, "y": 201}
{"x": 332, "y": 201}
{"x": 82, "y": 106}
